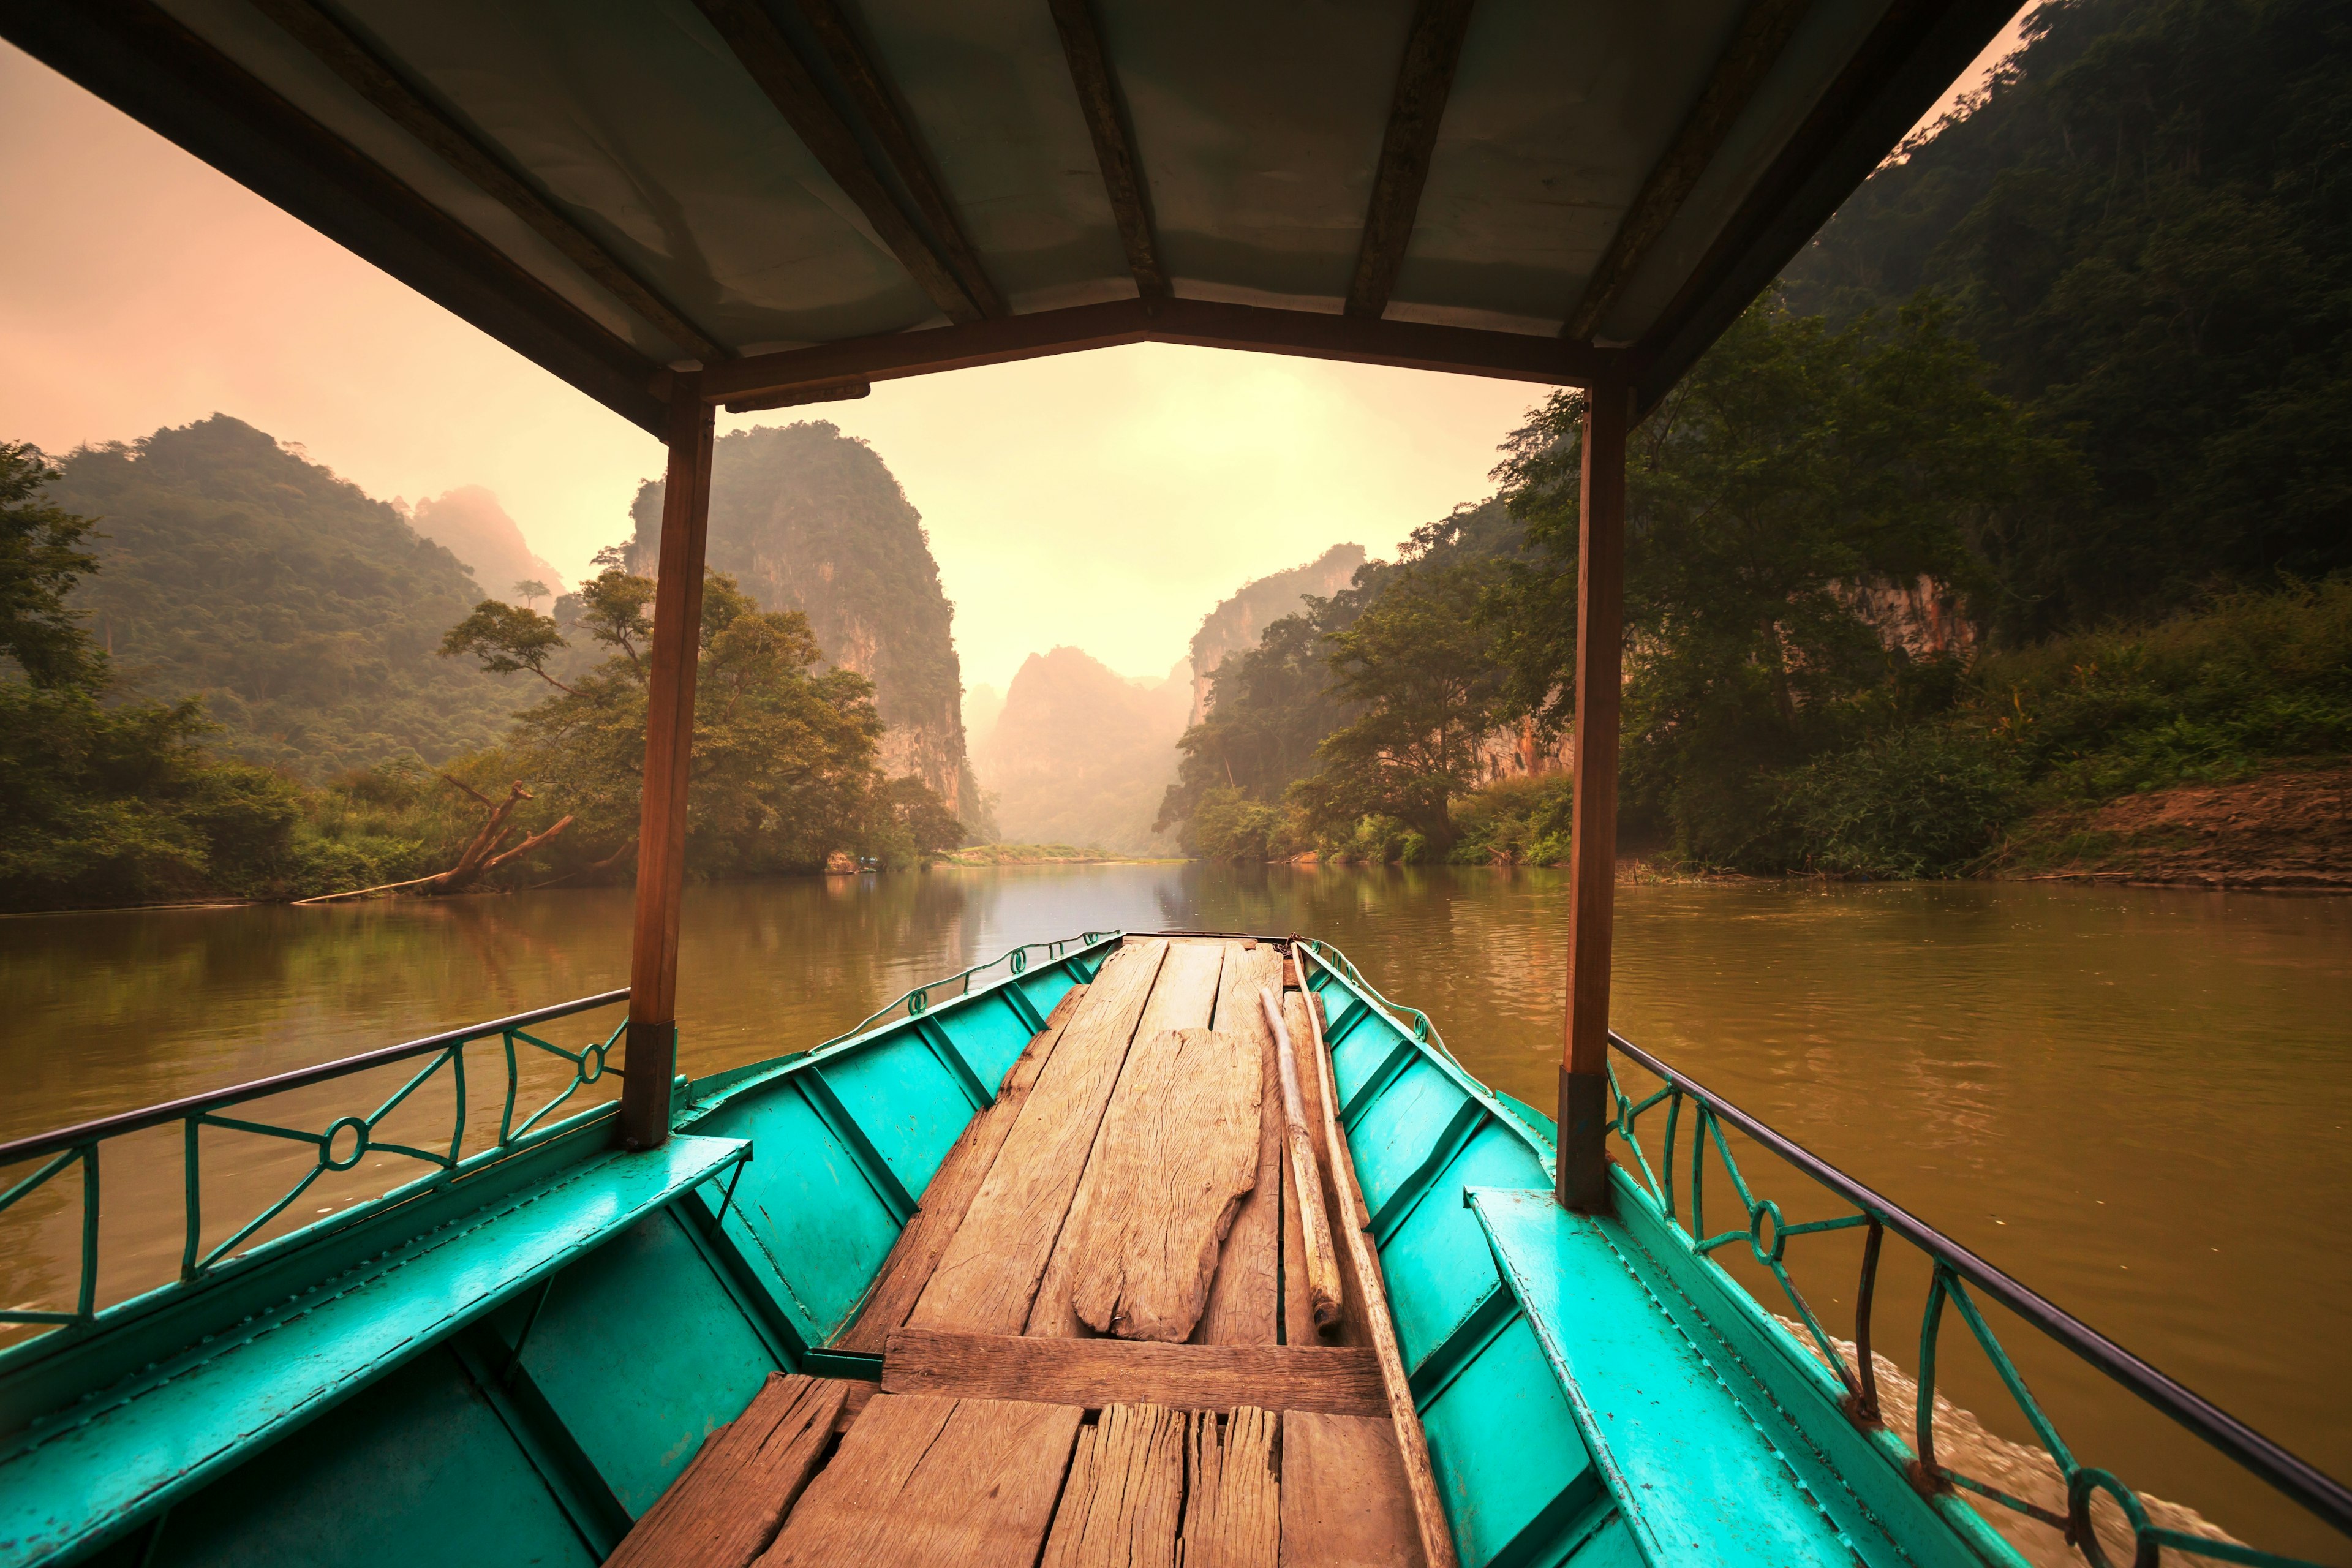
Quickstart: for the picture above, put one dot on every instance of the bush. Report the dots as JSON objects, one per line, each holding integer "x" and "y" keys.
{"x": 1514, "y": 822}
{"x": 1921, "y": 802}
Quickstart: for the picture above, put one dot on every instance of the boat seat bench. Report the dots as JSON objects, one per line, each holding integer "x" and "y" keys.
{"x": 99, "y": 1467}
{"x": 1660, "y": 1425}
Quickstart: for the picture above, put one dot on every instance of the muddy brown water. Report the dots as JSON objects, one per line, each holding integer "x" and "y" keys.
{"x": 2135, "y": 1100}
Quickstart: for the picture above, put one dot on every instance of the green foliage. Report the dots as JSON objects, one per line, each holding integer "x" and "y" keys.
{"x": 1793, "y": 472}
{"x": 1521, "y": 821}
{"x": 306, "y": 613}
{"x": 2142, "y": 232}
{"x": 1416, "y": 671}
{"x": 104, "y": 805}
{"x": 1273, "y": 707}
{"x": 41, "y": 559}
{"x": 502, "y": 640}
{"x": 1927, "y": 801}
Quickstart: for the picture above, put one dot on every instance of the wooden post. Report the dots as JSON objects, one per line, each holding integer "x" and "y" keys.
{"x": 651, "y": 1051}
{"x": 1584, "y": 1103}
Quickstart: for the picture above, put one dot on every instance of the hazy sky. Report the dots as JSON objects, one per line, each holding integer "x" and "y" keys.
{"x": 1104, "y": 500}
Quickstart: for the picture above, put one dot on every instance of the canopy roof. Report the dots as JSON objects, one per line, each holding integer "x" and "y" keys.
{"x": 804, "y": 195}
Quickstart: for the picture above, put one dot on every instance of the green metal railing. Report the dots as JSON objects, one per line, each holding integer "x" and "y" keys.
{"x": 915, "y": 1002}
{"x": 1953, "y": 1270}
{"x": 338, "y": 1146}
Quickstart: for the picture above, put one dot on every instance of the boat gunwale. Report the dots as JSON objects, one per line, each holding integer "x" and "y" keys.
{"x": 2299, "y": 1481}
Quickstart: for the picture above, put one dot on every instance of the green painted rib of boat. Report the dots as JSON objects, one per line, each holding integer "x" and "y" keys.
{"x": 510, "y": 1358}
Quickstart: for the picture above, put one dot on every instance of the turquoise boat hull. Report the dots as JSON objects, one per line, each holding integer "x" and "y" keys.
{"x": 511, "y": 1364}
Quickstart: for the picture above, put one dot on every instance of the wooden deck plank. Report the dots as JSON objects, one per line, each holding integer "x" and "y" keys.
{"x": 1345, "y": 1503}
{"x": 1245, "y": 1300}
{"x": 1232, "y": 1506}
{"x": 987, "y": 1276}
{"x": 1177, "y": 1153}
{"x": 948, "y": 1197}
{"x": 725, "y": 1510}
{"x": 1184, "y": 997}
{"x": 920, "y": 1481}
{"x": 1123, "y": 1512}
{"x": 1099, "y": 1373}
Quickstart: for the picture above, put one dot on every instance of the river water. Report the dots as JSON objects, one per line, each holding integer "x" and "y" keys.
{"x": 2135, "y": 1100}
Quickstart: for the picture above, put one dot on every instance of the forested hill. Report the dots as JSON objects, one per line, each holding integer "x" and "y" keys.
{"x": 307, "y": 613}
{"x": 2146, "y": 227}
{"x": 808, "y": 518}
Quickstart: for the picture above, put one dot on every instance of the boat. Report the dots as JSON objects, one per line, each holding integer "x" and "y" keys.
{"x": 1129, "y": 1246}
{"x": 552, "y": 1350}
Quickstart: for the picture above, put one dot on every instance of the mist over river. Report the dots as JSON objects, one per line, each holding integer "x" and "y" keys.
{"x": 2135, "y": 1100}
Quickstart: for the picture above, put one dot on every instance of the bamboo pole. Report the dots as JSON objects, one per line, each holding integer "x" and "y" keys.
{"x": 1314, "y": 1226}
{"x": 650, "y": 1054}
{"x": 1599, "y": 672}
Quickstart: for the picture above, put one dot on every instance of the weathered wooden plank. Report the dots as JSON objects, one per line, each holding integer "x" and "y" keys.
{"x": 986, "y": 1279}
{"x": 1412, "y": 1445}
{"x": 1178, "y": 1150}
{"x": 920, "y": 1481}
{"x": 1097, "y": 1372}
{"x": 724, "y": 1510}
{"x": 948, "y": 1197}
{"x": 1232, "y": 1506}
{"x": 1354, "y": 1325}
{"x": 1245, "y": 1300}
{"x": 1345, "y": 1503}
{"x": 1322, "y": 1268}
{"x": 1123, "y": 1512}
{"x": 1184, "y": 997}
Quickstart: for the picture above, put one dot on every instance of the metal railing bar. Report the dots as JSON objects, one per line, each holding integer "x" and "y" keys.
{"x": 64, "y": 1138}
{"x": 2297, "y": 1478}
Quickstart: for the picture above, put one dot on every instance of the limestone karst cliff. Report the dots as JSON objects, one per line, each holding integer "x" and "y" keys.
{"x": 1080, "y": 755}
{"x": 1238, "y": 622}
{"x": 808, "y": 518}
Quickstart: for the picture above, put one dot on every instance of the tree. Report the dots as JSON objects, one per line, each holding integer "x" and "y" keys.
{"x": 41, "y": 560}
{"x": 108, "y": 801}
{"x": 1793, "y": 476}
{"x": 503, "y": 639}
{"x": 1418, "y": 672}
{"x": 530, "y": 590}
{"x": 784, "y": 751}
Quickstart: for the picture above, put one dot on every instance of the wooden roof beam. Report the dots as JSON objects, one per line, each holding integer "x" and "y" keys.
{"x": 761, "y": 47}
{"x": 880, "y": 106}
{"x": 1763, "y": 32}
{"x": 349, "y": 58}
{"x": 1416, "y": 346}
{"x": 1424, "y": 81}
{"x": 1099, "y": 98}
{"x": 1910, "y": 59}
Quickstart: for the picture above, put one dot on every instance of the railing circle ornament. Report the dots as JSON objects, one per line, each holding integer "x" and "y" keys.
{"x": 1756, "y": 1216}
{"x": 915, "y": 1002}
{"x": 2081, "y": 1489}
{"x": 592, "y": 1061}
{"x": 358, "y": 1128}
{"x": 1020, "y": 960}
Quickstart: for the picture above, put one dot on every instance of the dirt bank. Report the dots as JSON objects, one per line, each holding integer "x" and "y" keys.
{"x": 2291, "y": 829}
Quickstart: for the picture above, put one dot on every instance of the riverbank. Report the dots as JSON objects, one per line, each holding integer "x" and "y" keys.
{"x": 2287, "y": 828}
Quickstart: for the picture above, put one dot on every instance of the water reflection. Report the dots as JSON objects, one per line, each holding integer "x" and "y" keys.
{"x": 2133, "y": 1099}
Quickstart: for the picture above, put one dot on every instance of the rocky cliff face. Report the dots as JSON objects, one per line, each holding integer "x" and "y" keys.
{"x": 470, "y": 524}
{"x": 1080, "y": 755}
{"x": 1241, "y": 620}
{"x": 807, "y": 519}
